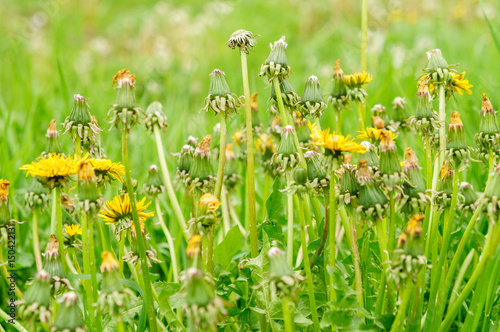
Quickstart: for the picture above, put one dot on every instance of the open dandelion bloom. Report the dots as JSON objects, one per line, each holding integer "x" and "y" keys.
{"x": 73, "y": 230}
{"x": 336, "y": 143}
{"x": 209, "y": 204}
{"x": 357, "y": 80}
{"x": 460, "y": 84}
{"x": 106, "y": 170}
{"x": 53, "y": 169}
{"x": 4, "y": 190}
{"x": 118, "y": 209}
{"x": 374, "y": 134}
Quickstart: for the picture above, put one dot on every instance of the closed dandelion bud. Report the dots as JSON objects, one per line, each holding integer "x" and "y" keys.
{"x": 242, "y": 39}
{"x": 283, "y": 281}
{"x": 299, "y": 175}
{"x": 436, "y": 60}
{"x": 4, "y": 203}
{"x": 36, "y": 302}
{"x": 303, "y": 132}
{"x": 206, "y": 214}
{"x": 124, "y": 112}
{"x": 53, "y": 143}
{"x": 371, "y": 154}
{"x": 155, "y": 117}
{"x": 276, "y": 64}
{"x": 389, "y": 168}
{"x": 202, "y": 308}
{"x": 52, "y": 262}
{"x": 220, "y": 99}
{"x": 338, "y": 97}
{"x": 89, "y": 197}
{"x": 185, "y": 158}
{"x": 79, "y": 123}
{"x": 154, "y": 184}
{"x": 193, "y": 141}
{"x": 355, "y": 83}
{"x": 348, "y": 183}
{"x": 231, "y": 175}
{"x": 288, "y": 95}
{"x": 311, "y": 102}
{"x": 379, "y": 111}
{"x": 315, "y": 166}
{"x": 457, "y": 145}
{"x": 70, "y": 236}
{"x": 36, "y": 196}
{"x": 377, "y": 122}
{"x": 113, "y": 296}
{"x": 287, "y": 156}
{"x": 445, "y": 185}
{"x": 425, "y": 121}
{"x": 488, "y": 137}
{"x": 470, "y": 197}
{"x": 69, "y": 317}
{"x": 372, "y": 202}
{"x": 414, "y": 198}
{"x": 201, "y": 174}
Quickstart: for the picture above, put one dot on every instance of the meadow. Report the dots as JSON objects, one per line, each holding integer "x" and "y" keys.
{"x": 52, "y": 51}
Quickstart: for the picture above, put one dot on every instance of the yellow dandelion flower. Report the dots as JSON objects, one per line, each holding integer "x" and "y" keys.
{"x": 118, "y": 209}
{"x": 105, "y": 167}
{"x": 73, "y": 230}
{"x": 446, "y": 170}
{"x": 238, "y": 138}
{"x": 357, "y": 80}
{"x": 123, "y": 76}
{"x": 265, "y": 143}
{"x": 4, "y": 190}
{"x": 337, "y": 143}
{"x": 374, "y": 134}
{"x": 54, "y": 166}
{"x": 193, "y": 247}
{"x": 414, "y": 226}
{"x": 109, "y": 263}
{"x": 460, "y": 84}
{"x": 209, "y": 204}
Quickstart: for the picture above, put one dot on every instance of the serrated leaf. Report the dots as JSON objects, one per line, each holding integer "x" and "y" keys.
{"x": 274, "y": 204}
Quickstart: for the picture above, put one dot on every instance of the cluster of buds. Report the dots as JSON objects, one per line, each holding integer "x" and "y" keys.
{"x": 113, "y": 296}
{"x": 154, "y": 185}
{"x": 203, "y": 309}
{"x": 488, "y": 137}
{"x": 220, "y": 99}
{"x": 348, "y": 184}
{"x": 265, "y": 144}
{"x": 80, "y": 126}
{"x": 409, "y": 257}
{"x": 89, "y": 199}
{"x": 53, "y": 143}
{"x": 316, "y": 172}
{"x": 287, "y": 156}
{"x": 354, "y": 84}
{"x": 372, "y": 203}
{"x": 231, "y": 176}
{"x": 283, "y": 281}
{"x": 276, "y": 65}
{"x": 69, "y": 317}
{"x": 400, "y": 115}
{"x": 36, "y": 197}
{"x": 206, "y": 215}
{"x": 457, "y": 144}
{"x": 470, "y": 198}
{"x": 414, "y": 198}
{"x": 288, "y": 95}
{"x": 425, "y": 122}
{"x": 338, "y": 97}
{"x": 201, "y": 174}
{"x": 36, "y": 302}
{"x": 124, "y": 113}
{"x": 389, "y": 171}
{"x": 155, "y": 117}
{"x": 52, "y": 264}
{"x": 311, "y": 102}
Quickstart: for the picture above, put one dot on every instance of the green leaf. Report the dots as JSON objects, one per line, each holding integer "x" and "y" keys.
{"x": 494, "y": 33}
{"x": 274, "y": 204}
{"x": 230, "y": 246}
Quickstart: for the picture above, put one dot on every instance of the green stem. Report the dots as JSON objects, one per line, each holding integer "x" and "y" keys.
{"x": 93, "y": 267}
{"x": 491, "y": 165}
{"x": 210, "y": 252}
{"x": 121, "y": 252}
{"x": 15, "y": 324}
{"x": 405, "y": 298}
{"x": 170, "y": 241}
{"x": 460, "y": 277}
{"x": 332, "y": 216}
{"x": 361, "y": 117}
{"x": 364, "y": 33}
{"x": 36, "y": 241}
{"x": 222, "y": 157}
{"x": 307, "y": 267}
{"x": 289, "y": 238}
{"x": 392, "y": 221}
{"x": 119, "y": 324}
{"x": 168, "y": 183}
{"x": 60, "y": 237}
{"x": 254, "y": 245}
{"x": 316, "y": 209}
{"x": 104, "y": 240}
{"x": 357, "y": 270}
{"x": 381, "y": 229}
{"x": 140, "y": 237}
{"x": 86, "y": 268}
{"x": 287, "y": 315}
{"x": 307, "y": 215}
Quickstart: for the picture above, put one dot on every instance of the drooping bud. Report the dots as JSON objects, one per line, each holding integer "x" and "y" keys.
{"x": 276, "y": 64}
{"x": 311, "y": 102}
{"x": 155, "y": 117}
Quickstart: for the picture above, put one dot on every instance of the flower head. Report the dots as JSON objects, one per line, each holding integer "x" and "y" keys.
{"x": 105, "y": 170}
{"x": 374, "y": 134}
{"x": 73, "y": 230}
{"x": 54, "y": 169}
{"x": 208, "y": 204}
{"x": 242, "y": 39}
{"x": 109, "y": 263}
{"x": 357, "y": 80}
{"x": 118, "y": 209}
{"x": 4, "y": 190}
{"x": 336, "y": 143}
{"x": 460, "y": 84}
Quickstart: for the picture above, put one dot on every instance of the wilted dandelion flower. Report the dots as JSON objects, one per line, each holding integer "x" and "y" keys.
{"x": 242, "y": 39}
{"x": 206, "y": 214}
{"x": 125, "y": 111}
{"x": 53, "y": 143}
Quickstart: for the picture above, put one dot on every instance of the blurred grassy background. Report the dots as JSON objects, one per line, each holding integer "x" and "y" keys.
{"x": 52, "y": 49}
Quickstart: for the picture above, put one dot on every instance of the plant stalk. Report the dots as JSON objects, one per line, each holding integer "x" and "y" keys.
{"x": 222, "y": 157}
{"x": 170, "y": 241}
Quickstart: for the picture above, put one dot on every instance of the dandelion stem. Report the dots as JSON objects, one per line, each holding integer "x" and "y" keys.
{"x": 36, "y": 241}
{"x": 287, "y": 315}
{"x": 381, "y": 229}
{"x": 210, "y": 251}
{"x": 332, "y": 222}
{"x": 491, "y": 165}
{"x": 93, "y": 268}
{"x": 307, "y": 267}
{"x": 140, "y": 237}
{"x": 121, "y": 252}
{"x": 14, "y": 323}
{"x": 289, "y": 238}
{"x": 222, "y": 157}
{"x": 170, "y": 241}
{"x": 168, "y": 183}
{"x": 357, "y": 270}
{"x": 361, "y": 117}
{"x": 405, "y": 298}
{"x": 254, "y": 245}
{"x": 86, "y": 268}
{"x": 57, "y": 206}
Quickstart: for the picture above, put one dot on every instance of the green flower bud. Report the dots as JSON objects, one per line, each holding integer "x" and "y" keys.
{"x": 53, "y": 144}
{"x": 300, "y": 175}
{"x": 303, "y": 131}
{"x": 389, "y": 168}
{"x": 36, "y": 196}
{"x": 488, "y": 123}
{"x": 155, "y": 117}
{"x": 400, "y": 112}
{"x": 69, "y": 317}
{"x": 4, "y": 203}
{"x": 315, "y": 167}
{"x": 124, "y": 112}
{"x": 414, "y": 200}
{"x": 276, "y": 64}
{"x": 456, "y": 134}
{"x": 287, "y": 156}
{"x": 79, "y": 124}
{"x": 371, "y": 154}
{"x": 469, "y": 194}
{"x": 201, "y": 168}
{"x": 290, "y": 98}
{"x": 154, "y": 184}
{"x": 338, "y": 98}
{"x": 185, "y": 159}
{"x": 348, "y": 183}
{"x": 311, "y": 102}
{"x": 445, "y": 185}
{"x": 52, "y": 262}
{"x": 436, "y": 60}
{"x": 220, "y": 99}
{"x": 371, "y": 200}
{"x": 39, "y": 291}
